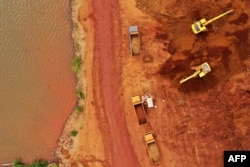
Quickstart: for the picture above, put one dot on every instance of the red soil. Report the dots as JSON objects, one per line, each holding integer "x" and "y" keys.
{"x": 193, "y": 122}
{"x": 108, "y": 83}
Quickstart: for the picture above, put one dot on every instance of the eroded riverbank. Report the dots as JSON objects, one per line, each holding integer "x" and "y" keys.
{"x": 86, "y": 146}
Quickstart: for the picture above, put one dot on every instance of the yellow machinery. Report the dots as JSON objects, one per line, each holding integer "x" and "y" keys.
{"x": 152, "y": 148}
{"x": 200, "y": 25}
{"x": 200, "y": 71}
{"x": 139, "y": 110}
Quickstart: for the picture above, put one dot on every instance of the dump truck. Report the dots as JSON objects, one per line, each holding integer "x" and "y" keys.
{"x": 139, "y": 110}
{"x": 152, "y": 147}
{"x": 134, "y": 40}
{"x": 200, "y": 26}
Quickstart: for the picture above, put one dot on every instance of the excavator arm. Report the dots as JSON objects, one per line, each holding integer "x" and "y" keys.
{"x": 194, "y": 75}
{"x": 217, "y": 17}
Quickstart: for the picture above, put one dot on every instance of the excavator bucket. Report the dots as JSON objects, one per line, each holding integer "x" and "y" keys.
{"x": 200, "y": 26}
{"x": 200, "y": 71}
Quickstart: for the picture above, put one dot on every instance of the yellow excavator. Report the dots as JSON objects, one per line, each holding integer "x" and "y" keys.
{"x": 200, "y": 71}
{"x": 200, "y": 26}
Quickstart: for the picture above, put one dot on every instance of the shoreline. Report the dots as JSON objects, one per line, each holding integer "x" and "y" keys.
{"x": 86, "y": 147}
{"x": 65, "y": 141}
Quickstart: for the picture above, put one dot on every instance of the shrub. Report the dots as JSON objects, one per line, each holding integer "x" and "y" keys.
{"x": 79, "y": 109}
{"x": 76, "y": 63}
{"x": 73, "y": 133}
{"x": 40, "y": 163}
{"x": 18, "y": 163}
{"x": 80, "y": 94}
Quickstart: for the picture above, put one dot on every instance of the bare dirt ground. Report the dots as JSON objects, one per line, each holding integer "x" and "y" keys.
{"x": 194, "y": 122}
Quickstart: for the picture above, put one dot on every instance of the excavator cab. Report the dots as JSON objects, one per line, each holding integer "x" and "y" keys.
{"x": 204, "y": 69}
{"x": 200, "y": 26}
{"x": 200, "y": 71}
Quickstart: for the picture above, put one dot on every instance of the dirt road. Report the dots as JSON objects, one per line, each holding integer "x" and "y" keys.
{"x": 108, "y": 83}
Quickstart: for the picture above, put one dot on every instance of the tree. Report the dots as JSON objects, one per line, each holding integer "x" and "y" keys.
{"x": 18, "y": 163}
{"x": 40, "y": 163}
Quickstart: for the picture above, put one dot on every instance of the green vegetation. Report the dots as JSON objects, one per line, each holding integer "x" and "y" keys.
{"x": 18, "y": 163}
{"x": 73, "y": 133}
{"x": 53, "y": 165}
{"x": 76, "y": 63}
{"x": 79, "y": 94}
{"x": 79, "y": 109}
{"x": 39, "y": 163}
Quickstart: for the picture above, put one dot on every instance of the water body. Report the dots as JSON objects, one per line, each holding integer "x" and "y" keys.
{"x": 36, "y": 82}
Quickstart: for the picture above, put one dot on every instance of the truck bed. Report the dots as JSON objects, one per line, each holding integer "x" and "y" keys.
{"x": 135, "y": 44}
{"x": 154, "y": 152}
{"x": 140, "y": 113}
